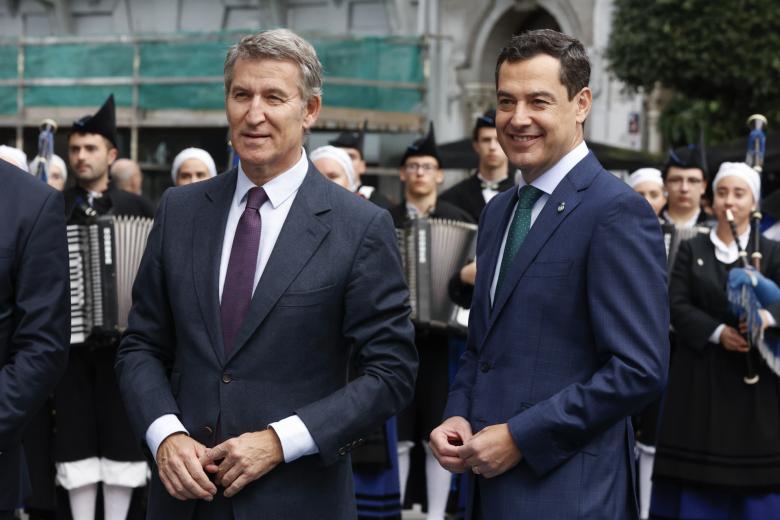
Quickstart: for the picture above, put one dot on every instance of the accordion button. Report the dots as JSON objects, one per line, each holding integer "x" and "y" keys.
{"x": 485, "y": 367}
{"x": 226, "y": 378}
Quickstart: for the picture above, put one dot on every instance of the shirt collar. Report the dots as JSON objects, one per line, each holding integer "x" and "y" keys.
{"x": 278, "y": 189}
{"x": 728, "y": 254}
{"x": 549, "y": 180}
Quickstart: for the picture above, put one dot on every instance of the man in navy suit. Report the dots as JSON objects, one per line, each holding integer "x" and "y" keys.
{"x": 258, "y": 289}
{"x": 34, "y": 313}
{"x": 569, "y": 322}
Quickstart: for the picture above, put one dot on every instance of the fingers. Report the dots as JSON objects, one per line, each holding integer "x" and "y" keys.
{"x": 197, "y": 474}
{"x": 180, "y": 484}
{"x": 237, "y": 485}
{"x": 444, "y": 445}
{"x": 218, "y": 452}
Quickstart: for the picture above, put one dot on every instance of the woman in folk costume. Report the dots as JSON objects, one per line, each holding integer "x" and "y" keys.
{"x": 192, "y": 165}
{"x": 718, "y": 445}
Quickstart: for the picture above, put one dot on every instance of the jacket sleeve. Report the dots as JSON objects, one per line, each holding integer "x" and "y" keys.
{"x": 146, "y": 350}
{"x": 376, "y": 322}
{"x": 41, "y": 315}
{"x": 629, "y": 317}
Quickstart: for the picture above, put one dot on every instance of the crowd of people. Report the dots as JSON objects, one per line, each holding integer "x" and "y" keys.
{"x": 270, "y": 368}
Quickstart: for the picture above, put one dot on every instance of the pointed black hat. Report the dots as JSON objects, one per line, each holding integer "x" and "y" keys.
{"x": 423, "y": 146}
{"x": 686, "y": 157}
{"x": 103, "y": 122}
{"x": 486, "y": 120}
{"x": 351, "y": 139}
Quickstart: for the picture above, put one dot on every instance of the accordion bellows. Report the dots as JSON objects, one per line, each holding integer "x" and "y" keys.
{"x": 104, "y": 257}
{"x": 433, "y": 250}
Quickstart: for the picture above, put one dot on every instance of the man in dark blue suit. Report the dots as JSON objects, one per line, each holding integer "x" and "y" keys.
{"x": 569, "y": 322}
{"x": 258, "y": 290}
{"x": 34, "y": 313}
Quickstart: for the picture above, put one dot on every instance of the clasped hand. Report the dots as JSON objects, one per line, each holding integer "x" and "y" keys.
{"x": 489, "y": 453}
{"x": 183, "y": 463}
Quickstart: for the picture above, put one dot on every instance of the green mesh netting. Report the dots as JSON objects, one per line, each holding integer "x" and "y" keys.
{"x": 8, "y": 58}
{"x": 80, "y": 60}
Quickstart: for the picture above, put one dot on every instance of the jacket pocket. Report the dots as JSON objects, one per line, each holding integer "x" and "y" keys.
{"x": 306, "y": 298}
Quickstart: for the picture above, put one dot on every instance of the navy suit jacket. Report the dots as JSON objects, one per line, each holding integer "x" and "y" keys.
{"x": 575, "y": 342}
{"x": 34, "y": 311}
{"x": 332, "y": 293}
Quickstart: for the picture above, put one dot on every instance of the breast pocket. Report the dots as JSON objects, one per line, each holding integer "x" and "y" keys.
{"x": 320, "y": 296}
{"x": 555, "y": 269}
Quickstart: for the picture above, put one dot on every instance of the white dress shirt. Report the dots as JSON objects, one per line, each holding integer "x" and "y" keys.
{"x": 281, "y": 190}
{"x": 546, "y": 182}
{"x": 488, "y": 193}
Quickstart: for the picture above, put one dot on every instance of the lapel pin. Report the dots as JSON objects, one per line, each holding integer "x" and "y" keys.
{"x": 700, "y": 262}
{"x": 561, "y": 207}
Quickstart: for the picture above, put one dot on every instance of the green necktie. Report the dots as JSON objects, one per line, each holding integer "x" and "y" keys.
{"x": 518, "y": 229}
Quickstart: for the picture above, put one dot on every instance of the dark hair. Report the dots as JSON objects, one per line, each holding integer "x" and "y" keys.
{"x": 575, "y": 65}
{"x": 686, "y": 157}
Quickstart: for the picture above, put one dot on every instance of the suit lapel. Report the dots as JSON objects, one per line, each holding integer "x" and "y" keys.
{"x": 207, "y": 239}
{"x": 301, "y": 235}
{"x": 566, "y": 196}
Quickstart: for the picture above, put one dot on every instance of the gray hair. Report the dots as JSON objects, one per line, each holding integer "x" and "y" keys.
{"x": 279, "y": 44}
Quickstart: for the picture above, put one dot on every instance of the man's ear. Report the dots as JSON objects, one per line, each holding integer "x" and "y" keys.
{"x": 311, "y": 111}
{"x": 112, "y": 155}
{"x": 439, "y": 176}
{"x": 584, "y": 100}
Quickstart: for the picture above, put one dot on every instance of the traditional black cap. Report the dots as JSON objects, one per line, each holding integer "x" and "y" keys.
{"x": 351, "y": 139}
{"x": 102, "y": 123}
{"x": 686, "y": 157}
{"x": 486, "y": 120}
{"x": 423, "y": 146}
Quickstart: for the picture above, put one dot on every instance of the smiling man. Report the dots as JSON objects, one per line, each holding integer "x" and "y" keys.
{"x": 259, "y": 288}
{"x": 569, "y": 321}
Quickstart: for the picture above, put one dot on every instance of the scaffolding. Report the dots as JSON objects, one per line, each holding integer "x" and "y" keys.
{"x": 176, "y": 81}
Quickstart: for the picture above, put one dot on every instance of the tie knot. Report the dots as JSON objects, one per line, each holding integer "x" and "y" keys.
{"x": 528, "y": 196}
{"x": 256, "y": 198}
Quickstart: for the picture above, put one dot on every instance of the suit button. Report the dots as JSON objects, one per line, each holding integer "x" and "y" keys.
{"x": 342, "y": 451}
{"x": 484, "y": 367}
{"x": 226, "y": 378}
{"x": 208, "y": 431}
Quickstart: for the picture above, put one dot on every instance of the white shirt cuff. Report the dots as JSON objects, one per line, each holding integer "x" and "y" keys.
{"x": 162, "y": 428}
{"x": 295, "y": 438}
{"x": 715, "y": 336}
{"x": 770, "y": 320}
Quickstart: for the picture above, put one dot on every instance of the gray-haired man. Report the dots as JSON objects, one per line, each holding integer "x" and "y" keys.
{"x": 257, "y": 289}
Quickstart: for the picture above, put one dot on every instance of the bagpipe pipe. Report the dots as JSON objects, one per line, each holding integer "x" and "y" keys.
{"x": 45, "y": 149}
{"x": 748, "y": 290}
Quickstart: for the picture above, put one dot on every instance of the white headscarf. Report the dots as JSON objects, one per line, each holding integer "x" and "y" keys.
{"x": 56, "y": 160}
{"x": 14, "y": 156}
{"x": 744, "y": 172}
{"x": 341, "y": 157}
{"x": 645, "y": 175}
{"x": 193, "y": 153}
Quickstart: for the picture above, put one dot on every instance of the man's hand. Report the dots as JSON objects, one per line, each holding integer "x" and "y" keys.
{"x": 446, "y": 440}
{"x": 491, "y": 452}
{"x": 244, "y": 459}
{"x": 732, "y": 340}
{"x": 178, "y": 462}
{"x": 468, "y": 274}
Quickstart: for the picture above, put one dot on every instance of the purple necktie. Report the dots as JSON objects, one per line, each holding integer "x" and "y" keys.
{"x": 240, "y": 277}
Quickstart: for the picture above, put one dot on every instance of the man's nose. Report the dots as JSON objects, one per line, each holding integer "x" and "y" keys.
{"x": 520, "y": 117}
{"x": 256, "y": 111}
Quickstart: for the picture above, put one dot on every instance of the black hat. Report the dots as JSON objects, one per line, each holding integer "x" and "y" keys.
{"x": 423, "y": 146}
{"x": 351, "y": 139}
{"x": 486, "y": 120}
{"x": 102, "y": 123}
{"x": 686, "y": 157}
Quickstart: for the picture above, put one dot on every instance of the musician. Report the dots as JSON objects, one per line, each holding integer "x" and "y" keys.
{"x": 492, "y": 176}
{"x": 421, "y": 174}
{"x": 58, "y": 172}
{"x": 352, "y": 143}
{"x": 336, "y": 165}
{"x": 34, "y": 314}
{"x": 192, "y": 165}
{"x": 685, "y": 181}
{"x": 716, "y": 455}
{"x": 93, "y": 442}
{"x": 649, "y": 183}
{"x": 237, "y": 351}
{"x": 127, "y": 176}
{"x": 567, "y": 331}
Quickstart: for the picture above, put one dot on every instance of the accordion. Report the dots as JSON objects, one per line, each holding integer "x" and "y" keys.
{"x": 104, "y": 258}
{"x": 432, "y": 251}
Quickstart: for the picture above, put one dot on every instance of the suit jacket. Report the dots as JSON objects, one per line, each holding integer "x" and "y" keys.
{"x": 332, "y": 292}
{"x": 575, "y": 341}
{"x": 34, "y": 311}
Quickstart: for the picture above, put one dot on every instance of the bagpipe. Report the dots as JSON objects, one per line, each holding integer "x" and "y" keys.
{"x": 45, "y": 149}
{"x": 748, "y": 290}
